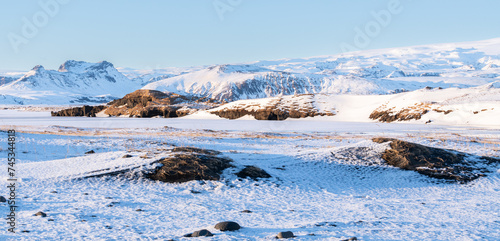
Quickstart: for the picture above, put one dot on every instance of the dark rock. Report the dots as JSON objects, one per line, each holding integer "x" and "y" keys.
{"x": 434, "y": 162}
{"x": 287, "y": 234}
{"x": 189, "y": 235}
{"x": 41, "y": 214}
{"x": 253, "y": 172}
{"x": 127, "y": 156}
{"x": 89, "y": 111}
{"x": 190, "y": 166}
{"x": 2, "y": 199}
{"x": 350, "y": 239}
{"x": 202, "y": 233}
{"x": 90, "y": 152}
{"x": 227, "y": 226}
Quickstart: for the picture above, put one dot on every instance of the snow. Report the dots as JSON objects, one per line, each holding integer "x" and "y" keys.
{"x": 318, "y": 185}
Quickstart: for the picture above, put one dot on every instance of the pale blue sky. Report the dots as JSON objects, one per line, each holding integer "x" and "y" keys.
{"x": 159, "y": 33}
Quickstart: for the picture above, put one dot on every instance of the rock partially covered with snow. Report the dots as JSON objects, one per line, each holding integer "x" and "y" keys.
{"x": 184, "y": 167}
{"x": 253, "y": 172}
{"x": 436, "y": 162}
{"x": 275, "y": 108}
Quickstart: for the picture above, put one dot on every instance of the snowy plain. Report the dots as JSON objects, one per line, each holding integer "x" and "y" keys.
{"x": 314, "y": 192}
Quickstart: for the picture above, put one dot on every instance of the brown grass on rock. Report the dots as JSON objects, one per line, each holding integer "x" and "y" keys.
{"x": 414, "y": 112}
{"x": 433, "y": 162}
{"x": 277, "y": 109}
{"x": 89, "y": 111}
{"x": 190, "y": 166}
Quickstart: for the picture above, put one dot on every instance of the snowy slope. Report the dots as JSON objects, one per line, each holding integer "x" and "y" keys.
{"x": 146, "y": 76}
{"x": 364, "y": 72}
{"x": 75, "y": 82}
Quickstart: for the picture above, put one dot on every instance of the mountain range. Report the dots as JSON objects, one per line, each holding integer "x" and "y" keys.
{"x": 368, "y": 72}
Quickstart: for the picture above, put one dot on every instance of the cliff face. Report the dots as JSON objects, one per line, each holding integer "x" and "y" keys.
{"x": 89, "y": 111}
{"x": 275, "y": 108}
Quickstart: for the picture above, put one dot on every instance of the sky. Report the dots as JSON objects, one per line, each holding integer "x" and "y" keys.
{"x": 156, "y": 34}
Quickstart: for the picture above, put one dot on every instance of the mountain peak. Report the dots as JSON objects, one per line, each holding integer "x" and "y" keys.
{"x": 102, "y": 65}
{"x": 38, "y": 68}
{"x": 82, "y": 66}
{"x": 69, "y": 64}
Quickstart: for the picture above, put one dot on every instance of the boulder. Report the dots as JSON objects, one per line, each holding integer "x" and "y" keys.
{"x": 252, "y": 172}
{"x": 41, "y": 214}
{"x": 184, "y": 167}
{"x": 227, "y": 226}
{"x": 287, "y": 234}
{"x": 202, "y": 233}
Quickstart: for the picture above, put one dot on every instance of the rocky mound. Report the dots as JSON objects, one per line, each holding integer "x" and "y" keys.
{"x": 89, "y": 111}
{"x": 252, "y": 172}
{"x": 275, "y": 108}
{"x": 436, "y": 162}
{"x": 191, "y": 165}
{"x": 147, "y": 103}
{"x": 414, "y": 112}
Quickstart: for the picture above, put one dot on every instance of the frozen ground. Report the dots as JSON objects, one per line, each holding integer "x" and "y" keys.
{"x": 312, "y": 191}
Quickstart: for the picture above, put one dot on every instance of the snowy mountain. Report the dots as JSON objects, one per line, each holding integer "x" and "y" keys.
{"x": 384, "y": 71}
{"x": 146, "y": 76}
{"x": 364, "y": 72}
{"x": 75, "y": 82}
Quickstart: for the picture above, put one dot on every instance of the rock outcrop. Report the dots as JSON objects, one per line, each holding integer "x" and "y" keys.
{"x": 89, "y": 111}
{"x": 436, "y": 162}
{"x": 253, "y": 172}
{"x": 187, "y": 166}
{"x": 145, "y": 104}
{"x": 275, "y": 108}
{"x": 413, "y": 112}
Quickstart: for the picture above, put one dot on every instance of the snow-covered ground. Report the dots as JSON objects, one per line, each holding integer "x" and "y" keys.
{"x": 317, "y": 186}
